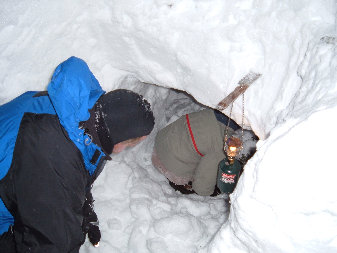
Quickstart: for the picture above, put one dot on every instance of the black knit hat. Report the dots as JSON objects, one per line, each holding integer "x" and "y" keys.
{"x": 121, "y": 115}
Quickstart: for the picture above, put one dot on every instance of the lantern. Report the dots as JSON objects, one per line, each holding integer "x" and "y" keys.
{"x": 229, "y": 168}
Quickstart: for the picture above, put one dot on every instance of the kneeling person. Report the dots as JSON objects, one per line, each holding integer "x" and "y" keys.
{"x": 188, "y": 151}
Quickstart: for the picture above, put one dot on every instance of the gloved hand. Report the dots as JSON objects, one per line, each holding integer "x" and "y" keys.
{"x": 90, "y": 227}
{"x": 184, "y": 189}
{"x": 90, "y": 221}
{"x": 94, "y": 234}
{"x": 216, "y": 192}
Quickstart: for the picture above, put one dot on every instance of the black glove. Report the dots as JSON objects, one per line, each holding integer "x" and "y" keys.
{"x": 94, "y": 234}
{"x": 91, "y": 228}
{"x": 90, "y": 220}
{"x": 216, "y": 192}
{"x": 184, "y": 189}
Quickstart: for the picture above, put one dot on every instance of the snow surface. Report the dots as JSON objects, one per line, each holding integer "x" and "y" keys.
{"x": 285, "y": 200}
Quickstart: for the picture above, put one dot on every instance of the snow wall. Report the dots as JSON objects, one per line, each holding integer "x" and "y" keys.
{"x": 285, "y": 200}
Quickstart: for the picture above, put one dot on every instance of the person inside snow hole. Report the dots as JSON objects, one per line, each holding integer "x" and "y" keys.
{"x": 188, "y": 151}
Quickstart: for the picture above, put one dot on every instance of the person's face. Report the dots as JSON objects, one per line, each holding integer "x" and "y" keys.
{"x": 119, "y": 147}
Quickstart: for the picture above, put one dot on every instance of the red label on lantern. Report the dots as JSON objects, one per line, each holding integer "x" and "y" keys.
{"x": 228, "y": 178}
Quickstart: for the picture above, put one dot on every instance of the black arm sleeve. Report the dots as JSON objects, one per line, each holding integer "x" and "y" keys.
{"x": 90, "y": 222}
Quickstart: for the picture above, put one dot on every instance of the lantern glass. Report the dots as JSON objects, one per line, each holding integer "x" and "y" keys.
{"x": 232, "y": 147}
{"x": 232, "y": 151}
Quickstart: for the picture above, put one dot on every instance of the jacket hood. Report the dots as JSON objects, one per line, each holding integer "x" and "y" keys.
{"x": 74, "y": 90}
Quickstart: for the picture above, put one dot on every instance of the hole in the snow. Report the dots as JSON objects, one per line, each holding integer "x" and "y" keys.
{"x": 135, "y": 200}
{"x": 169, "y": 105}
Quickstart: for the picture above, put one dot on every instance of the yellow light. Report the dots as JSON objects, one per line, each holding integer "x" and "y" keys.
{"x": 232, "y": 149}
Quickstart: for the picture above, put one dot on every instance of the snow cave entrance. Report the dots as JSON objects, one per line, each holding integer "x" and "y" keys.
{"x": 135, "y": 202}
{"x": 169, "y": 104}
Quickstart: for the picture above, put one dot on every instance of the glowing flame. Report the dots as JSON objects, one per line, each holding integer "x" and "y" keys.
{"x": 232, "y": 149}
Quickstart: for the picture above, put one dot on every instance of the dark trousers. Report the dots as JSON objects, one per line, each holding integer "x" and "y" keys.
{"x": 7, "y": 244}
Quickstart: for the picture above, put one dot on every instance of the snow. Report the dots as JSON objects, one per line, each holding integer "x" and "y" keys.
{"x": 285, "y": 200}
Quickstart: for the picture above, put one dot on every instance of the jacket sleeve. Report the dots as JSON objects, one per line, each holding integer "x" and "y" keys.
{"x": 206, "y": 173}
{"x": 46, "y": 188}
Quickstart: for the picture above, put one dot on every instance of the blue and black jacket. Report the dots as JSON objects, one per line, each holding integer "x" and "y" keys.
{"x": 46, "y": 160}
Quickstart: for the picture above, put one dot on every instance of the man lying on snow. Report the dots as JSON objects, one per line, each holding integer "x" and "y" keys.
{"x": 53, "y": 146}
{"x": 189, "y": 150}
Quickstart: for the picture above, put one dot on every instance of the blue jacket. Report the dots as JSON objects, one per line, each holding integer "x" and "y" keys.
{"x": 73, "y": 90}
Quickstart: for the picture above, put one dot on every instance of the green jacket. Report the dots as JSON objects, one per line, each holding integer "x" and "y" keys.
{"x": 177, "y": 153}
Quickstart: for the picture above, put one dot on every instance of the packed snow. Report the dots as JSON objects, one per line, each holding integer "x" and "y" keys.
{"x": 285, "y": 200}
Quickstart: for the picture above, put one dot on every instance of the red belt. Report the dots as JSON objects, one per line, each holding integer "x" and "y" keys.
{"x": 192, "y": 137}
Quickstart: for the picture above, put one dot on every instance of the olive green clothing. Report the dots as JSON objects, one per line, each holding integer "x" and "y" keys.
{"x": 175, "y": 149}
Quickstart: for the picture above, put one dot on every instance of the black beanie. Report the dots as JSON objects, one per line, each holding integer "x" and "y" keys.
{"x": 121, "y": 115}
